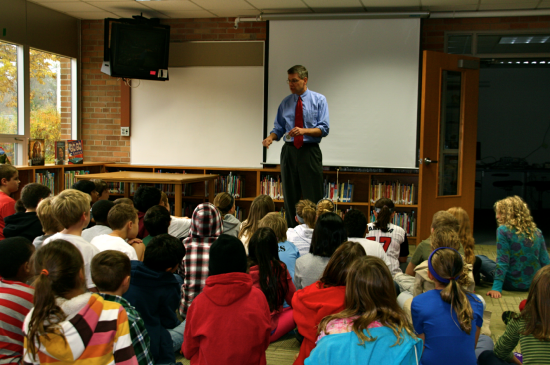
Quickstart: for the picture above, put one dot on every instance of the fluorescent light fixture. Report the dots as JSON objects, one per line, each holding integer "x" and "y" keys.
{"x": 525, "y": 39}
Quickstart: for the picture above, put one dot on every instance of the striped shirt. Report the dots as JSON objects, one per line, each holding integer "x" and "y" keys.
{"x": 98, "y": 334}
{"x": 15, "y": 303}
{"x": 394, "y": 242}
{"x": 534, "y": 351}
{"x": 140, "y": 337}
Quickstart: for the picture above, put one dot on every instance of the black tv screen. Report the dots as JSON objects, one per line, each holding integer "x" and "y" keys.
{"x": 139, "y": 51}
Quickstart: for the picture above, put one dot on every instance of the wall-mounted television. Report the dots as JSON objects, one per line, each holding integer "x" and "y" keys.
{"x": 137, "y": 49}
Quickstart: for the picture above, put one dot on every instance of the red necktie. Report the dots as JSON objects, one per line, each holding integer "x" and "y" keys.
{"x": 299, "y": 122}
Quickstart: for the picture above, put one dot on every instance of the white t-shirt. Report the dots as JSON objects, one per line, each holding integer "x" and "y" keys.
{"x": 394, "y": 242}
{"x": 87, "y": 250}
{"x": 372, "y": 249}
{"x": 90, "y": 233}
{"x": 106, "y": 242}
{"x": 179, "y": 227}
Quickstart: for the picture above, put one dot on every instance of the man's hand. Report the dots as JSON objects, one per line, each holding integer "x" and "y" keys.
{"x": 267, "y": 142}
{"x": 494, "y": 294}
{"x": 297, "y": 132}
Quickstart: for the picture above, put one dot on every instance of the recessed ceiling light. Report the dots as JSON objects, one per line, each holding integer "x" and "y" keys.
{"x": 526, "y": 39}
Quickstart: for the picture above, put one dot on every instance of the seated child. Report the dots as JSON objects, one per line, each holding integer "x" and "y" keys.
{"x": 102, "y": 189}
{"x": 153, "y": 279}
{"x": 67, "y": 324}
{"x": 226, "y": 205}
{"x": 521, "y": 250}
{"x": 271, "y": 276}
{"x": 528, "y": 329}
{"x": 391, "y": 237}
{"x": 145, "y": 197}
{"x": 179, "y": 226}
{"x": 9, "y": 183}
{"x": 87, "y": 187}
{"x": 72, "y": 209}
{"x": 356, "y": 225}
{"x": 111, "y": 274}
{"x": 325, "y": 206}
{"x": 440, "y": 219}
{"x": 372, "y": 328}
{"x": 124, "y": 201}
{"x": 288, "y": 253}
{"x": 19, "y": 207}
{"x": 100, "y": 210}
{"x": 448, "y": 319}
{"x": 261, "y": 205}
{"x": 16, "y": 297}
{"x": 306, "y": 215}
{"x": 229, "y": 323}
{"x": 157, "y": 221}
{"x": 325, "y": 297}
{"x": 124, "y": 222}
{"x": 27, "y": 224}
{"x": 50, "y": 224}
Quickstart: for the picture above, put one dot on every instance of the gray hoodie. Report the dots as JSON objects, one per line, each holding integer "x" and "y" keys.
{"x": 231, "y": 225}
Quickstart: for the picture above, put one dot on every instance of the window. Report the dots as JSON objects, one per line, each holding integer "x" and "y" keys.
{"x": 47, "y": 110}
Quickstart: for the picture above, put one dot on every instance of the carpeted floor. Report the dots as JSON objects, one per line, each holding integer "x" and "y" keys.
{"x": 282, "y": 352}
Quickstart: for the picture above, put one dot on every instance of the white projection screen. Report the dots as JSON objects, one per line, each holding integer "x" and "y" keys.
{"x": 368, "y": 70}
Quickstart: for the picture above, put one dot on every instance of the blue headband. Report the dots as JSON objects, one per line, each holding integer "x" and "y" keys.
{"x": 300, "y": 219}
{"x": 378, "y": 210}
{"x": 434, "y": 273}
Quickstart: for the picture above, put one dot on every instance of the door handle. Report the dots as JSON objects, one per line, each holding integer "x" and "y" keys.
{"x": 426, "y": 161}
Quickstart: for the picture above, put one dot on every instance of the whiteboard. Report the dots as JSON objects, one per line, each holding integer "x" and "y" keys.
{"x": 368, "y": 69}
{"x": 202, "y": 116}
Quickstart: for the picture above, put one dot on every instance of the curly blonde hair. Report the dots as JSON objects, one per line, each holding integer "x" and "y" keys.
{"x": 464, "y": 233}
{"x": 514, "y": 213}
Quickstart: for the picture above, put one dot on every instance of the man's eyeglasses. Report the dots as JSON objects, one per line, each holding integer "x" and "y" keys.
{"x": 293, "y": 81}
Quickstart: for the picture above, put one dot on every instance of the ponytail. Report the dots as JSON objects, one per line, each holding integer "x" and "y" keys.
{"x": 446, "y": 266}
{"x": 306, "y": 213}
{"x": 58, "y": 265}
{"x": 384, "y": 209}
{"x": 224, "y": 202}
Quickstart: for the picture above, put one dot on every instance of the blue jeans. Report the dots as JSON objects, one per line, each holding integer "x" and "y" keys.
{"x": 488, "y": 268}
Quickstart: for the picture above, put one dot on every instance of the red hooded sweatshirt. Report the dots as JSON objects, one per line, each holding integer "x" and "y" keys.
{"x": 228, "y": 323}
{"x": 311, "y": 305}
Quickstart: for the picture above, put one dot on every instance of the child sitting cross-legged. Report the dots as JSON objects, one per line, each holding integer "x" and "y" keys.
{"x": 111, "y": 274}
{"x": 100, "y": 210}
{"x": 179, "y": 226}
{"x": 155, "y": 293}
{"x": 123, "y": 219}
{"x": 9, "y": 183}
{"x": 16, "y": 297}
{"x": 229, "y": 304}
{"x": 372, "y": 329}
{"x": 50, "y": 224}
{"x": 26, "y": 224}
{"x": 157, "y": 221}
{"x": 67, "y": 324}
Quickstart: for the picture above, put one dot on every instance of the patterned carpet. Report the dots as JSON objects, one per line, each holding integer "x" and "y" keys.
{"x": 282, "y": 352}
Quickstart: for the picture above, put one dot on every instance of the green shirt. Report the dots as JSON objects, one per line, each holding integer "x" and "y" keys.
{"x": 424, "y": 250}
{"x": 146, "y": 240}
{"x": 534, "y": 351}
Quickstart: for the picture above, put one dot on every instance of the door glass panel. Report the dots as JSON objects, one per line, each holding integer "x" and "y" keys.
{"x": 450, "y": 139}
{"x": 8, "y": 88}
{"x": 9, "y": 153}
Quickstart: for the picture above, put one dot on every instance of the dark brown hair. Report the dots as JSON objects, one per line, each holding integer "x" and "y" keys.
{"x": 386, "y": 207}
{"x": 336, "y": 271}
{"x": 109, "y": 268}
{"x": 537, "y": 309}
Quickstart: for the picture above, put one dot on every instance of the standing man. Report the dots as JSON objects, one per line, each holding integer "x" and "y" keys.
{"x": 302, "y": 118}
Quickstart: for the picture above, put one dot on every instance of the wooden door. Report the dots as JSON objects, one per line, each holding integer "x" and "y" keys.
{"x": 448, "y": 135}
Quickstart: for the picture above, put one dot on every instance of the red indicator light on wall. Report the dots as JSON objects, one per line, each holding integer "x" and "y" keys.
{"x": 153, "y": 73}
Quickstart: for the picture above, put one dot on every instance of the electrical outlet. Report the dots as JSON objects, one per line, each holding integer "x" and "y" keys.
{"x": 125, "y": 131}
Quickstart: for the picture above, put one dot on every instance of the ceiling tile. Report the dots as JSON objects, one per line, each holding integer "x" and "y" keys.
{"x": 339, "y": 10}
{"x": 449, "y": 3}
{"x": 483, "y": 2}
{"x": 382, "y": 9}
{"x": 223, "y": 4}
{"x": 544, "y": 4}
{"x": 190, "y": 14}
{"x": 390, "y": 3}
{"x": 51, "y": 1}
{"x": 284, "y": 11}
{"x": 91, "y": 14}
{"x": 277, "y": 4}
{"x": 334, "y": 4}
{"x": 470, "y": 7}
{"x": 146, "y": 13}
{"x": 524, "y": 4}
{"x": 171, "y": 5}
{"x": 128, "y": 9}
{"x": 236, "y": 13}
{"x": 65, "y": 6}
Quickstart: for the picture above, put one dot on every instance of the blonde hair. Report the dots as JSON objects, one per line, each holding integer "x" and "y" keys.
{"x": 513, "y": 213}
{"x": 443, "y": 218}
{"x": 224, "y": 202}
{"x": 325, "y": 206}
{"x": 69, "y": 206}
{"x": 46, "y": 216}
{"x": 261, "y": 205}
{"x": 370, "y": 294}
{"x": 306, "y": 210}
{"x": 277, "y": 223}
{"x": 163, "y": 199}
{"x": 124, "y": 201}
{"x": 464, "y": 233}
{"x": 448, "y": 264}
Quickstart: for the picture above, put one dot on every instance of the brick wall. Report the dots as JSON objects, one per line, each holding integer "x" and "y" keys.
{"x": 433, "y": 30}
{"x": 101, "y": 93}
{"x": 66, "y": 104}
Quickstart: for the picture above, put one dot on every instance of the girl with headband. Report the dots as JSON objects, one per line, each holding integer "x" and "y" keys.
{"x": 449, "y": 318}
{"x": 226, "y": 205}
{"x": 521, "y": 250}
{"x": 68, "y": 324}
